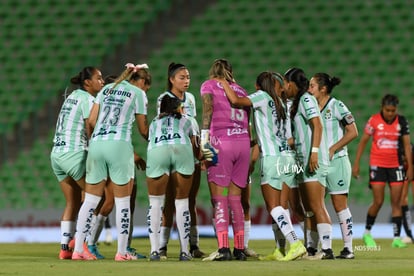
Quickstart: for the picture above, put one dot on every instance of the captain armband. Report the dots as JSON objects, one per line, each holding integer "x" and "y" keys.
{"x": 347, "y": 120}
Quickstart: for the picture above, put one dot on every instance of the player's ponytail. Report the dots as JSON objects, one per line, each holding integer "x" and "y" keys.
{"x": 324, "y": 79}
{"x": 85, "y": 74}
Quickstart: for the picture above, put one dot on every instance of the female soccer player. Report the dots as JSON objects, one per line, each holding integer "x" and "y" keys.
{"x": 278, "y": 166}
{"x": 225, "y": 141}
{"x": 312, "y": 153}
{"x": 178, "y": 83}
{"x": 68, "y": 156}
{"x": 390, "y": 139}
{"x": 170, "y": 154}
{"x": 111, "y": 157}
{"x": 142, "y": 79}
{"x": 341, "y": 130}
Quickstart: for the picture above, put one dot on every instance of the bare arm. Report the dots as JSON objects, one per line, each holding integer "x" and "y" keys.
{"x": 408, "y": 156}
{"x": 207, "y": 102}
{"x": 93, "y": 118}
{"x": 254, "y": 156}
{"x": 361, "y": 146}
{"x": 142, "y": 124}
{"x": 232, "y": 96}
{"x": 317, "y": 129}
{"x": 351, "y": 132}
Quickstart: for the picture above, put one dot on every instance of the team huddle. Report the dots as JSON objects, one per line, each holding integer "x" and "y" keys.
{"x": 293, "y": 126}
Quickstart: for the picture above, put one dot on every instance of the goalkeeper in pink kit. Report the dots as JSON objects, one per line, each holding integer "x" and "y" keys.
{"x": 225, "y": 142}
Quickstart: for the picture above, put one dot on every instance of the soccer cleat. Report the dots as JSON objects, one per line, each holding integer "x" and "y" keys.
{"x": 211, "y": 257}
{"x": 277, "y": 255}
{"x": 296, "y": 250}
{"x": 154, "y": 256}
{"x": 346, "y": 254}
{"x": 311, "y": 251}
{"x": 250, "y": 253}
{"x": 239, "y": 254}
{"x": 327, "y": 254}
{"x": 196, "y": 252}
{"x": 224, "y": 254}
{"x": 133, "y": 252}
{"x": 185, "y": 257}
{"x": 65, "y": 254}
{"x": 408, "y": 240}
{"x": 312, "y": 254}
{"x": 93, "y": 249}
{"x": 163, "y": 253}
{"x": 368, "y": 240}
{"x": 85, "y": 256}
{"x": 127, "y": 257}
{"x": 398, "y": 243}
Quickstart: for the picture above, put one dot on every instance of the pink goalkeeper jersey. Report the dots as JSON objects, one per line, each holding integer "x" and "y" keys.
{"x": 227, "y": 122}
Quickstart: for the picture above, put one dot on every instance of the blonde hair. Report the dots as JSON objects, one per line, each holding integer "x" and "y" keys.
{"x": 221, "y": 68}
{"x": 131, "y": 73}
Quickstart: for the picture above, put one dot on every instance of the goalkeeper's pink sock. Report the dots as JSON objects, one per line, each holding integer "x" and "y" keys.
{"x": 221, "y": 215}
{"x": 237, "y": 220}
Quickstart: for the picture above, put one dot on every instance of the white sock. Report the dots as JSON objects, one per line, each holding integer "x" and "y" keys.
{"x": 247, "y": 226}
{"x": 325, "y": 235}
{"x": 182, "y": 216}
{"x": 345, "y": 222}
{"x": 122, "y": 217}
{"x": 83, "y": 226}
{"x": 96, "y": 229}
{"x": 165, "y": 233}
{"x": 65, "y": 231}
{"x": 281, "y": 217}
{"x": 194, "y": 237}
{"x": 293, "y": 236}
{"x": 154, "y": 218}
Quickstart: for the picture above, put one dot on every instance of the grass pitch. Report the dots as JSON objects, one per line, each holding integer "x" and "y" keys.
{"x": 41, "y": 259}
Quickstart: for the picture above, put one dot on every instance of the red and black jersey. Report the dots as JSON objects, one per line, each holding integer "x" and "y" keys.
{"x": 386, "y": 149}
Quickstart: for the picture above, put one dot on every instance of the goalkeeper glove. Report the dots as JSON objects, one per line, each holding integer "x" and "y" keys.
{"x": 209, "y": 152}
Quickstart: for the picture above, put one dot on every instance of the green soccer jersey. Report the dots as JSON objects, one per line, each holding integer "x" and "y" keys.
{"x": 271, "y": 132}
{"x": 333, "y": 113}
{"x": 308, "y": 109}
{"x": 70, "y": 134}
{"x": 169, "y": 130}
{"x": 117, "y": 109}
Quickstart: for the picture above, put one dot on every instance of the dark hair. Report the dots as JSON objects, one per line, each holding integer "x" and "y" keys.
{"x": 297, "y": 76}
{"x": 390, "y": 100}
{"x": 173, "y": 68}
{"x": 222, "y": 68}
{"x": 266, "y": 82}
{"x": 324, "y": 79}
{"x": 86, "y": 74}
{"x": 169, "y": 107}
{"x": 110, "y": 79}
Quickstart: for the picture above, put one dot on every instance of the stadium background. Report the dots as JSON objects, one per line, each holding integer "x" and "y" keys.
{"x": 45, "y": 42}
